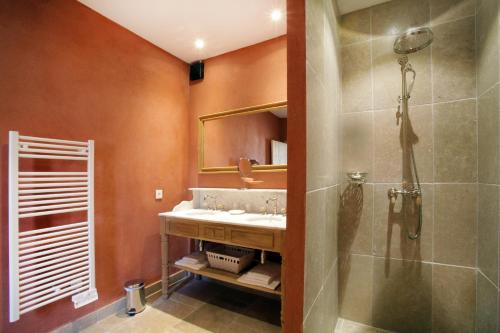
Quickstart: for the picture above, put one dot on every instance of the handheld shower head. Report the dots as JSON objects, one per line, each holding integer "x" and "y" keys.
{"x": 413, "y": 40}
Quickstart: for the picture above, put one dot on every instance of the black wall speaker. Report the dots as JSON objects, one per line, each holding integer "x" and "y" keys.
{"x": 196, "y": 70}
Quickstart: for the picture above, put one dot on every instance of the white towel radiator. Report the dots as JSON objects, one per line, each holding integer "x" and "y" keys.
{"x": 48, "y": 264}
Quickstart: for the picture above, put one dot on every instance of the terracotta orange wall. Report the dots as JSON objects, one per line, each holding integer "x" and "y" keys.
{"x": 67, "y": 72}
{"x": 228, "y": 139}
{"x": 249, "y": 76}
{"x": 295, "y": 232}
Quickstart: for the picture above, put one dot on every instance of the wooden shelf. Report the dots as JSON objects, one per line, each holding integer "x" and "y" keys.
{"x": 228, "y": 277}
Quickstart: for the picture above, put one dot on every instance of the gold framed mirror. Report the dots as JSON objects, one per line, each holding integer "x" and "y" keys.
{"x": 255, "y": 132}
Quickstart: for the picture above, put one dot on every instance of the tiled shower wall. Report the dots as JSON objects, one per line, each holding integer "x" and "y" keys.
{"x": 386, "y": 279}
{"x": 488, "y": 42}
{"x": 323, "y": 110}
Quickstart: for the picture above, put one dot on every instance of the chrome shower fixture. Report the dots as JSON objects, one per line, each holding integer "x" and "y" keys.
{"x": 413, "y": 40}
{"x": 357, "y": 177}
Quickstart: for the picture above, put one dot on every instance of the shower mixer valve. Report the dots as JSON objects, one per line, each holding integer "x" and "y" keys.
{"x": 393, "y": 193}
{"x": 398, "y": 114}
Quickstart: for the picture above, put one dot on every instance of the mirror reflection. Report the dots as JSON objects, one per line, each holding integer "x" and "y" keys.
{"x": 257, "y": 134}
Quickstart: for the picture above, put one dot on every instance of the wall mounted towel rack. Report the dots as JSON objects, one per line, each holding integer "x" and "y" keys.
{"x": 50, "y": 263}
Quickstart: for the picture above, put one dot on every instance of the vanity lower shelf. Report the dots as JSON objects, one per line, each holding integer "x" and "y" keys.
{"x": 228, "y": 277}
{"x": 254, "y": 237}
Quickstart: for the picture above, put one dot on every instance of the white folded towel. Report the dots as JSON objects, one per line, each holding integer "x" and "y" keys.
{"x": 271, "y": 285}
{"x": 267, "y": 275}
{"x": 195, "y": 258}
{"x": 264, "y": 273}
{"x": 195, "y": 266}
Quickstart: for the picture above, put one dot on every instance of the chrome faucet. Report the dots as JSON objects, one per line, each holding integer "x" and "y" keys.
{"x": 275, "y": 201}
{"x": 214, "y": 201}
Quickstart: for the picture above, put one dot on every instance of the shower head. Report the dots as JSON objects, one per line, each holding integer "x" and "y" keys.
{"x": 413, "y": 40}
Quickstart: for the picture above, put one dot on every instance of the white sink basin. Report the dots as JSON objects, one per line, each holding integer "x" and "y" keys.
{"x": 194, "y": 212}
{"x": 265, "y": 218}
{"x": 246, "y": 219}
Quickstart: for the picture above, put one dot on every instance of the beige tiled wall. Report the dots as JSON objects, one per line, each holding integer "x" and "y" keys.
{"x": 488, "y": 110}
{"x": 323, "y": 166}
{"x": 435, "y": 283}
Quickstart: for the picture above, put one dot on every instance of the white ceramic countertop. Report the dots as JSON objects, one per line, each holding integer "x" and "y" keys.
{"x": 263, "y": 190}
{"x": 247, "y": 219}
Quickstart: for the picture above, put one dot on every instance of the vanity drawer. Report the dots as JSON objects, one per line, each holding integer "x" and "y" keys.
{"x": 212, "y": 232}
{"x": 258, "y": 239}
{"x": 186, "y": 229}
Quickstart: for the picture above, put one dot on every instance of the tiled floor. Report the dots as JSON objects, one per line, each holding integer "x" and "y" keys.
{"x": 199, "y": 306}
{"x": 203, "y": 306}
{"x": 347, "y": 326}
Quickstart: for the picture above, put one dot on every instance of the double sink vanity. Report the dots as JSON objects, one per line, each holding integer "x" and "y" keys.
{"x": 248, "y": 220}
{"x": 255, "y": 225}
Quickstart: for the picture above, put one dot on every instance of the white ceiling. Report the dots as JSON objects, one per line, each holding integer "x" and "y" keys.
{"x": 174, "y": 25}
{"x": 347, "y": 6}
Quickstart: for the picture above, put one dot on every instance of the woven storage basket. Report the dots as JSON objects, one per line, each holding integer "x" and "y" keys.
{"x": 230, "y": 258}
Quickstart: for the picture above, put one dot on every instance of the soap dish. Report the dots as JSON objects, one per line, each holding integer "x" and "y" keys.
{"x": 236, "y": 211}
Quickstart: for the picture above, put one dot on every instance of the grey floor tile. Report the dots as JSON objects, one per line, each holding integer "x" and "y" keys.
{"x": 199, "y": 306}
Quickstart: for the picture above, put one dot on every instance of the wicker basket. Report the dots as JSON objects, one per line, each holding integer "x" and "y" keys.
{"x": 230, "y": 258}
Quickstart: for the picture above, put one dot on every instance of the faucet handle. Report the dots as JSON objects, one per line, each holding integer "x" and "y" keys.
{"x": 399, "y": 115}
{"x": 274, "y": 201}
{"x": 271, "y": 199}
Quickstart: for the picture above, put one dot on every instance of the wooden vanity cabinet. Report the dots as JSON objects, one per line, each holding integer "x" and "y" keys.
{"x": 213, "y": 233}
{"x": 251, "y": 237}
{"x": 181, "y": 228}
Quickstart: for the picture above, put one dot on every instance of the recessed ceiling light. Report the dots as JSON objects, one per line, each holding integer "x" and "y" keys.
{"x": 276, "y": 15}
{"x": 199, "y": 43}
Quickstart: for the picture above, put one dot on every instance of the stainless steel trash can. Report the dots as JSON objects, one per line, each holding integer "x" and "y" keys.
{"x": 136, "y": 297}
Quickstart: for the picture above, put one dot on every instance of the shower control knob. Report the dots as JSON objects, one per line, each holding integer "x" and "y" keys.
{"x": 398, "y": 116}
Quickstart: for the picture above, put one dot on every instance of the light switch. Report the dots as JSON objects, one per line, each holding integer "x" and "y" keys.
{"x": 159, "y": 194}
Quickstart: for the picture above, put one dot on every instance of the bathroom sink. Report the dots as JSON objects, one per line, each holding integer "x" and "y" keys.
{"x": 194, "y": 212}
{"x": 265, "y": 218}
{"x": 245, "y": 219}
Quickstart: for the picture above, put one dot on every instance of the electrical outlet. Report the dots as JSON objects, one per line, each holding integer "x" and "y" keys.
{"x": 159, "y": 194}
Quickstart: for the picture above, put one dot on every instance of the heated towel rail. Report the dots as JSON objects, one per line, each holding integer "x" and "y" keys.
{"x": 51, "y": 263}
